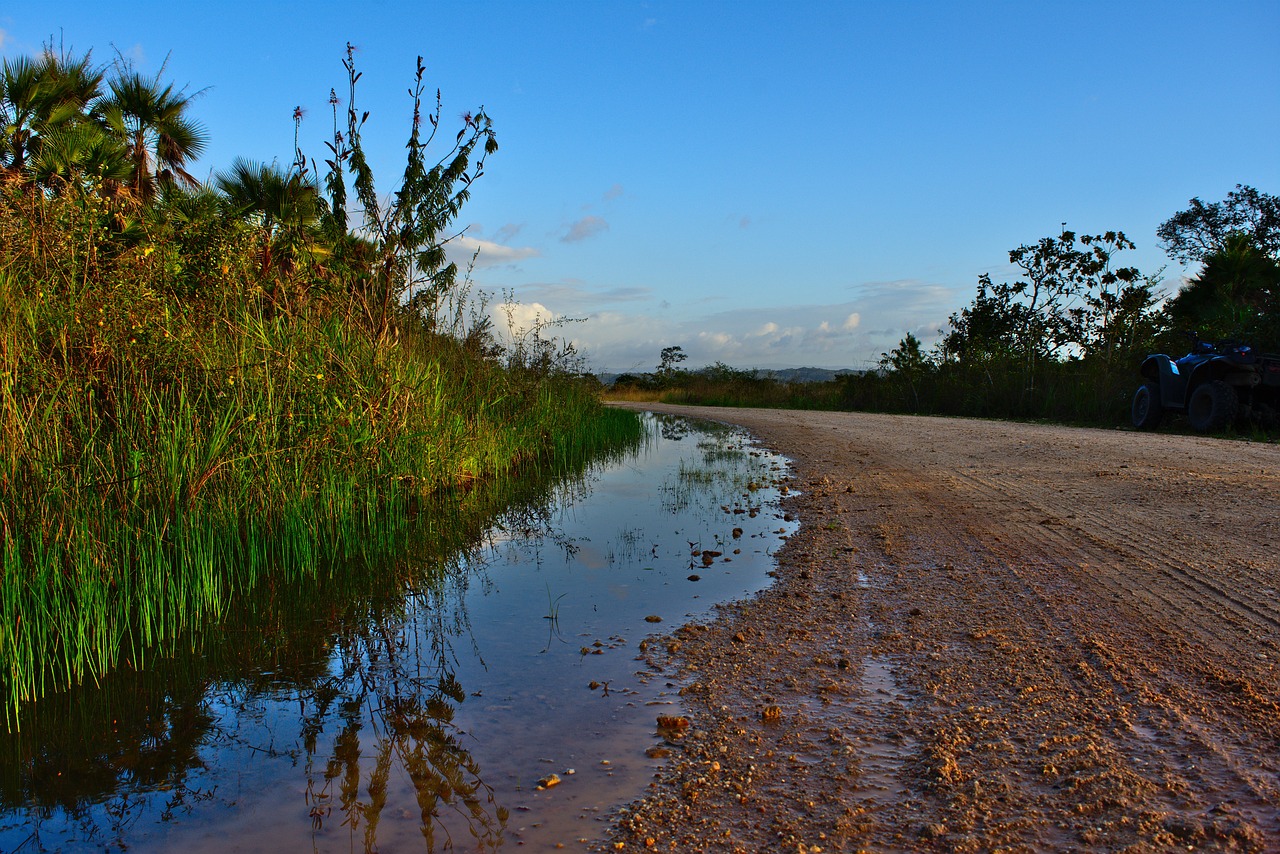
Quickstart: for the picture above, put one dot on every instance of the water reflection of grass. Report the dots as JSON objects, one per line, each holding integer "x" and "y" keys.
{"x": 726, "y": 468}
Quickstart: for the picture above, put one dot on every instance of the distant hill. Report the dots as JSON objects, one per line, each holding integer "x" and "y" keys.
{"x": 786, "y": 375}
{"x": 806, "y": 375}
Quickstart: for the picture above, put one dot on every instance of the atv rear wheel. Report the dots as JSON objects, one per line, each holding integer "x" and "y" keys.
{"x": 1147, "y": 411}
{"x": 1213, "y": 406}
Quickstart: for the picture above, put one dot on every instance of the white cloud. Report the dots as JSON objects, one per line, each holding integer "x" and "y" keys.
{"x": 460, "y": 250}
{"x": 852, "y": 322}
{"x": 588, "y": 226}
{"x": 515, "y": 319}
{"x": 613, "y": 192}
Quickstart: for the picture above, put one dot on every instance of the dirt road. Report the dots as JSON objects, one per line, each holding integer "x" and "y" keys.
{"x": 989, "y": 636}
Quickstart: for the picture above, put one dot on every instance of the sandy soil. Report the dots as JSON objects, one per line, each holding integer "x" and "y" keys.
{"x": 988, "y": 636}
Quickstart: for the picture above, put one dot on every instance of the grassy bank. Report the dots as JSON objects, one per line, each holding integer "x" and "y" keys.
{"x": 177, "y": 421}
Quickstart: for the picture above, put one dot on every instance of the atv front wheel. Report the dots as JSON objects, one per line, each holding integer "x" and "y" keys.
{"x": 1213, "y": 406}
{"x": 1147, "y": 411}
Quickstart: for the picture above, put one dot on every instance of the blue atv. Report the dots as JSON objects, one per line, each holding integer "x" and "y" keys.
{"x": 1214, "y": 385}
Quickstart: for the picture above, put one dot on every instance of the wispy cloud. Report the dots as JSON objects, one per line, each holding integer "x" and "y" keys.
{"x": 136, "y": 55}
{"x": 574, "y": 297}
{"x": 508, "y": 232}
{"x": 613, "y": 192}
{"x": 585, "y": 228}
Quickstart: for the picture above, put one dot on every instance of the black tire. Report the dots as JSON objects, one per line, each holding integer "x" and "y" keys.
{"x": 1212, "y": 407}
{"x": 1147, "y": 410}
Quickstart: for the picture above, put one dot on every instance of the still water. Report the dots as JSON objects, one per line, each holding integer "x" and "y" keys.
{"x": 416, "y": 705}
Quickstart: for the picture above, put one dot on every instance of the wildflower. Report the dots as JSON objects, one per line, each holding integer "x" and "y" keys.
{"x": 319, "y": 376}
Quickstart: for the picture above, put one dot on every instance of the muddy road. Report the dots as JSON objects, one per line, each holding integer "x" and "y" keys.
{"x": 988, "y": 636}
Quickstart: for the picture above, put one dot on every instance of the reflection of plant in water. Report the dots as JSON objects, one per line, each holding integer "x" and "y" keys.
{"x": 406, "y": 720}
{"x": 102, "y": 763}
{"x": 672, "y": 427}
{"x": 725, "y": 469}
{"x": 347, "y": 676}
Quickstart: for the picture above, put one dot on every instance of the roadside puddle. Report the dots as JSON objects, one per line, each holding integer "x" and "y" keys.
{"x": 493, "y": 698}
{"x": 884, "y": 750}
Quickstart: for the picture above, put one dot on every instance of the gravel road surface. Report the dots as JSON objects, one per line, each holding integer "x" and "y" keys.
{"x": 987, "y": 636}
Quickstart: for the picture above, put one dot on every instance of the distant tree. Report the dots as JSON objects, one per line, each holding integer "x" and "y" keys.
{"x": 1202, "y": 229}
{"x": 671, "y": 356}
{"x": 987, "y": 330}
{"x": 908, "y": 363}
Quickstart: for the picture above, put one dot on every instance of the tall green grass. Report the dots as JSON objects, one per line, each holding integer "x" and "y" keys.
{"x": 170, "y": 435}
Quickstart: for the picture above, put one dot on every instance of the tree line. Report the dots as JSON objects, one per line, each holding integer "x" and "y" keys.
{"x": 1063, "y": 340}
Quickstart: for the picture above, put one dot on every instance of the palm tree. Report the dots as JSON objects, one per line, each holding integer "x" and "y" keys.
{"x": 21, "y": 99}
{"x": 79, "y": 150}
{"x": 150, "y": 118}
{"x": 43, "y": 101}
{"x": 285, "y": 206}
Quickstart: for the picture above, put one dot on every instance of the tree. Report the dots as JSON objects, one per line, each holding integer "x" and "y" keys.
{"x": 907, "y": 362}
{"x": 671, "y": 356}
{"x": 40, "y": 96}
{"x": 1202, "y": 229}
{"x": 20, "y": 108}
{"x": 409, "y": 266}
{"x": 150, "y": 118}
{"x": 1236, "y": 294}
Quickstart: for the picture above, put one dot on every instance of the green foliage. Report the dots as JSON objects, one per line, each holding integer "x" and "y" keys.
{"x": 1236, "y": 295}
{"x": 201, "y": 389}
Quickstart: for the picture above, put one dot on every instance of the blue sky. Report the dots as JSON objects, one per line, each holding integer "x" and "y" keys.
{"x": 763, "y": 184}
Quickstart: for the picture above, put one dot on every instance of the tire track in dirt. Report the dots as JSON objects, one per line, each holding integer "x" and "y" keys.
{"x": 1110, "y": 563}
